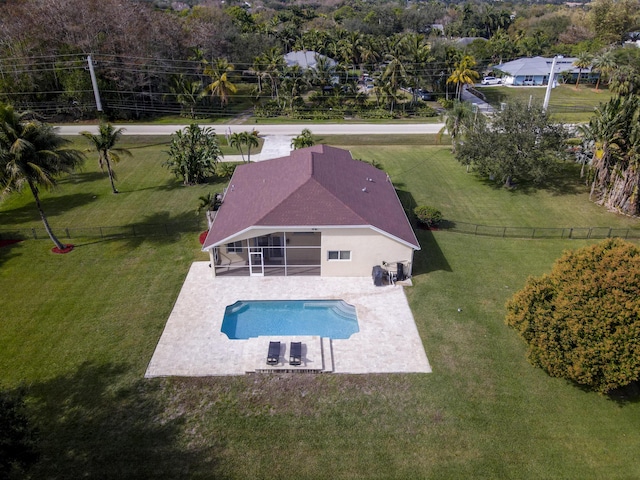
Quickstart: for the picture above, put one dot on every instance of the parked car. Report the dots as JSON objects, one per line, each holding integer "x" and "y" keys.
{"x": 491, "y": 81}
{"x": 424, "y": 95}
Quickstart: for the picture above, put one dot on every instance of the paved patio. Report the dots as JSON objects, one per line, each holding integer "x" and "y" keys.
{"x": 193, "y": 345}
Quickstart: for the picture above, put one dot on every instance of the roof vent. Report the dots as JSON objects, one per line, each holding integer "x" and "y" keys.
{"x": 364, "y": 189}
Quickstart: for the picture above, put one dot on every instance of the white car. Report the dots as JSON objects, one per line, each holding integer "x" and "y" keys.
{"x": 491, "y": 81}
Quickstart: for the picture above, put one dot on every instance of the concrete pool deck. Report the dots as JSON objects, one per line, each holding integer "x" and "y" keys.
{"x": 193, "y": 345}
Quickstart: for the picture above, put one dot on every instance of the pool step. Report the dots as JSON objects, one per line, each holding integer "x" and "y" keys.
{"x": 317, "y": 355}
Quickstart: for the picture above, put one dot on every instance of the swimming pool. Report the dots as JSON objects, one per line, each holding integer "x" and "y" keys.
{"x": 325, "y": 318}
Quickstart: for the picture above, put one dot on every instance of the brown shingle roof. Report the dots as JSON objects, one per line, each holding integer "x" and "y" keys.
{"x": 313, "y": 187}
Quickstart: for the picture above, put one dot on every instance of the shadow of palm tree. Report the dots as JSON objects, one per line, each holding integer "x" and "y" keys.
{"x": 8, "y": 250}
{"x": 93, "y": 423}
{"x": 52, "y": 206}
{"x": 161, "y": 227}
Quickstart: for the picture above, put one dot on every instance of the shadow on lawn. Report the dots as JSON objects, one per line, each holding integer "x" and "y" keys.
{"x": 93, "y": 424}
{"x": 430, "y": 258}
{"x": 52, "y": 207}
{"x": 9, "y": 250}
{"x": 565, "y": 181}
{"x": 83, "y": 177}
{"x": 161, "y": 227}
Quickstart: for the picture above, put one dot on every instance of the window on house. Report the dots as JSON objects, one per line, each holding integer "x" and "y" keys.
{"x": 339, "y": 255}
{"x": 234, "y": 247}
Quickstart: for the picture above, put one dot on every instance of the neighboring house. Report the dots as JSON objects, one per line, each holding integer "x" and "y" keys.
{"x": 315, "y": 212}
{"x": 534, "y": 71}
{"x": 306, "y": 59}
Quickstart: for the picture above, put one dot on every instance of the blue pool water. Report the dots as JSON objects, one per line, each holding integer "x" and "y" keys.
{"x": 325, "y": 318}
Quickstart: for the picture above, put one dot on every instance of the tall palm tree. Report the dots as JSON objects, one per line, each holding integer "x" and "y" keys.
{"x": 463, "y": 74}
{"x": 615, "y": 130}
{"x": 604, "y": 64}
{"x": 295, "y": 82}
{"x": 32, "y": 154}
{"x": 105, "y": 143}
{"x": 582, "y": 61}
{"x": 237, "y": 140}
{"x": 220, "y": 86}
{"x": 456, "y": 122}
{"x": 251, "y": 141}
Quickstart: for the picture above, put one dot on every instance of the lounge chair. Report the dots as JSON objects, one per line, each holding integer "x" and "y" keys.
{"x": 273, "y": 357}
{"x": 295, "y": 354}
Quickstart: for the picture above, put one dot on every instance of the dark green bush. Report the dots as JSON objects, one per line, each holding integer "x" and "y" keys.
{"x": 428, "y": 216}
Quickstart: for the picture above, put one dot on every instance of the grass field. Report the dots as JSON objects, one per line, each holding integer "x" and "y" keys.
{"x": 78, "y": 331}
{"x": 566, "y": 103}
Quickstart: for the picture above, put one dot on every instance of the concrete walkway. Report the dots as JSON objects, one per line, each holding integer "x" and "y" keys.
{"x": 192, "y": 343}
{"x": 274, "y": 146}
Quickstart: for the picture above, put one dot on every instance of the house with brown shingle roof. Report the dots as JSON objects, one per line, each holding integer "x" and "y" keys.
{"x": 315, "y": 212}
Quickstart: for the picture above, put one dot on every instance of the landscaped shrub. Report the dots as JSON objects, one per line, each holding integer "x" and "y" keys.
{"x": 225, "y": 169}
{"x": 445, "y": 103}
{"x": 428, "y": 216}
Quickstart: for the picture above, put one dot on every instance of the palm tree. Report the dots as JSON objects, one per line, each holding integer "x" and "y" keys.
{"x": 463, "y": 74}
{"x": 187, "y": 93}
{"x": 221, "y": 86}
{"x": 104, "y": 143}
{"x": 237, "y": 140}
{"x": 32, "y": 154}
{"x": 456, "y": 122}
{"x": 250, "y": 140}
{"x": 583, "y": 61}
{"x": 604, "y": 64}
{"x": 294, "y": 83}
{"x": 625, "y": 80}
{"x": 305, "y": 139}
{"x": 615, "y": 131}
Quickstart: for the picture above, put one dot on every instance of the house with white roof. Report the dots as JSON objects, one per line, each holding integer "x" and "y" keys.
{"x": 534, "y": 71}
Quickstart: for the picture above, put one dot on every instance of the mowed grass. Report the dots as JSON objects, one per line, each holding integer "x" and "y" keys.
{"x": 566, "y": 103}
{"x": 78, "y": 331}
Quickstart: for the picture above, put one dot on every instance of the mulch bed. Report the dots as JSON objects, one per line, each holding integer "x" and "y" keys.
{"x": 67, "y": 248}
{"x": 6, "y": 243}
{"x": 203, "y": 235}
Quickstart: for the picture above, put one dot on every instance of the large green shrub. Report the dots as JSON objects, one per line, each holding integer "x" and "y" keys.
{"x": 582, "y": 321}
{"x": 428, "y": 216}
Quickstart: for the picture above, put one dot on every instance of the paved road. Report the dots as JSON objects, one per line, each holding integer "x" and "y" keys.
{"x": 293, "y": 129}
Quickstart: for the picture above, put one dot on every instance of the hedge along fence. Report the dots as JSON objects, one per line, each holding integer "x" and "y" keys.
{"x": 123, "y": 231}
{"x": 578, "y": 233}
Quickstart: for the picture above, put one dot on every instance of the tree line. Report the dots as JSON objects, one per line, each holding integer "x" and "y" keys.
{"x": 198, "y": 60}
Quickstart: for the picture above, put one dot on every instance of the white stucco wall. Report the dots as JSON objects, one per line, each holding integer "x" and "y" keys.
{"x": 368, "y": 248}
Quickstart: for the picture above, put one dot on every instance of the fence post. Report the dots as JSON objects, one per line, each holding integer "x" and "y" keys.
{"x": 33, "y": 231}
{"x": 570, "y": 232}
{"x": 133, "y": 230}
{"x": 101, "y": 233}
{"x": 609, "y": 234}
{"x": 533, "y": 233}
{"x": 476, "y": 230}
{"x": 504, "y": 231}
{"x": 67, "y": 230}
{"x": 589, "y": 234}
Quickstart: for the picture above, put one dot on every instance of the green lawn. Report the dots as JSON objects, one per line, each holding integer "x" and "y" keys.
{"x": 566, "y": 103}
{"x": 78, "y": 331}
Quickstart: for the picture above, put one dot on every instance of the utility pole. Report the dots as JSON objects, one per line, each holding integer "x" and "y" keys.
{"x": 547, "y": 95}
{"x": 94, "y": 82}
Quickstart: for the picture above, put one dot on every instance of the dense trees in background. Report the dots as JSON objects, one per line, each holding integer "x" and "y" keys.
{"x": 152, "y": 60}
{"x": 582, "y": 321}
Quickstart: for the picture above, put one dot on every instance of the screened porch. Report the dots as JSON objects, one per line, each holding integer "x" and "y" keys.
{"x": 274, "y": 254}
